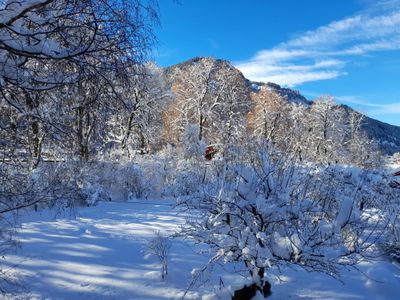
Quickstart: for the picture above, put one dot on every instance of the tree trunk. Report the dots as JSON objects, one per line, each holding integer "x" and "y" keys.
{"x": 248, "y": 292}
{"x": 33, "y": 131}
{"x": 82, "y": 145}
{"x": 201, "y": 124}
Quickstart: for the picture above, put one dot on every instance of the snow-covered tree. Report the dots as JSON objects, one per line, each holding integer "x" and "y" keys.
{"x": 228, "y": 121}
{"x": 211, "y": 95}
{"x": 64, "y": 67}
{"x": 193, "y": 104}
{"x": 268, "y": 115}
{"x": 326, "y": 130}
{"x": 141, "y": 122}
{"x": 282, "y": 123}
{"x": 361, "y": 150}
{"x": 45, "y": 43}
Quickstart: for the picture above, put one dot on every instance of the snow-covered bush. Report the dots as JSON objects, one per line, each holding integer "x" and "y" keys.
{"x": 7, "y": 234}
{"x": 391, "y": 239}
{"x": 66, "y": 185}
{"x": 185, "y": 180}
{"x": 183, "y": 176}
{"x": 396, "y": 158}
{"x": 392, "y": 246}
{"x": 160, "y": 246}
{"x": 107, "y": 181}
{"x": 277, "y": 213}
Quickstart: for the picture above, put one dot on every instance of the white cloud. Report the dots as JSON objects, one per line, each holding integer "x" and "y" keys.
{"x": 291, "y": 74}
{"x": 357, "y": 100}
{"x": 387, "y": 109}
{"x": 322, "y": 53}
{"x": 357, "y": 28}
{"x": 292, "y": 79}
{"x": 371, "y": 109}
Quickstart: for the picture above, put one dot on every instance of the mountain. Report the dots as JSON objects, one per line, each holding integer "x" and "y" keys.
{"x": 209, "y": 74}
{"x": 289, "y": 94}
{"x": 388, "y": 136}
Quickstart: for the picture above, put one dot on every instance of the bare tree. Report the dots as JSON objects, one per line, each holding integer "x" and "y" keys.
{"x": 192, "y": 98}
{"x": 267, "y": 115}
{"x": 362, "y": 151}
{"x": 160, "y": 246}
{"x": 142, "y": 125}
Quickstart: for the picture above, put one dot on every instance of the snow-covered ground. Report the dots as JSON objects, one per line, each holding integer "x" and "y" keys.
{"x": 102, "y": 255}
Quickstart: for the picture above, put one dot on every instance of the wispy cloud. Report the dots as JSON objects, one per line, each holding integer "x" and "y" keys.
{"x": 323, "y": 53}
{"x": 387, "y": 109}
{"x": 369, "y": 108}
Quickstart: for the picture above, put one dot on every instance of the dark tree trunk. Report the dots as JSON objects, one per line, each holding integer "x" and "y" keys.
{"x": 248, "y": 292}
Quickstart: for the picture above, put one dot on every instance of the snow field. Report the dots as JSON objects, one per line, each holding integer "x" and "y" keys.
{"x": 102, "y": 255}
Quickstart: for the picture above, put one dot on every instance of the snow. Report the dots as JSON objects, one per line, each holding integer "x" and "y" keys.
{"x": 345, "y": 210}
{"x": 102, "y": 255}
{"x": 382, "y": 283}
{"x": 255, "y": 87}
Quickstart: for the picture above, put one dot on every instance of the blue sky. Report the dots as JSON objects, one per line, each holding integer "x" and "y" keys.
{"x": 346, "y": 48}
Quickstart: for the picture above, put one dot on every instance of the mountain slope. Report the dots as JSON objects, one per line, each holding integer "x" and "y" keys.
{"x": 387, "y": 136}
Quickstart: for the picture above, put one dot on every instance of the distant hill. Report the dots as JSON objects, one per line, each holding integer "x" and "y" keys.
{"x": 386, "y": 135}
